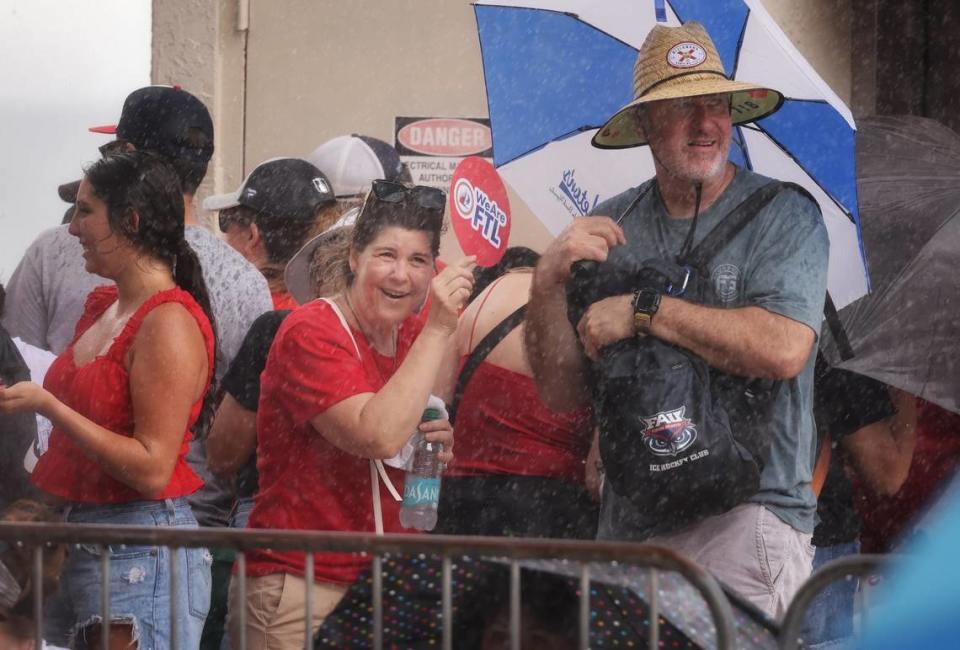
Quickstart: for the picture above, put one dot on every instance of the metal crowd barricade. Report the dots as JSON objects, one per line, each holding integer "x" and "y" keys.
{"x": 513, "y": 550}
{"x": 859, "y": 566}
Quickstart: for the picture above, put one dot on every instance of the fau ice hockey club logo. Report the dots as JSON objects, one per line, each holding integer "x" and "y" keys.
{"x": 668, "y": 433}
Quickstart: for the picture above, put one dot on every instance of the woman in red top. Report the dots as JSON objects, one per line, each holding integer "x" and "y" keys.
{"x": 520, "y": 467}
{"x": 122, "y": 398}
{"x": 346, "y": 382}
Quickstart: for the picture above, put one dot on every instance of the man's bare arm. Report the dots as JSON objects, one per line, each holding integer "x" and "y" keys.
{"x": 748, "y": 341}
{"x": 883, "y": 451}
{"x": 553, "y": 352}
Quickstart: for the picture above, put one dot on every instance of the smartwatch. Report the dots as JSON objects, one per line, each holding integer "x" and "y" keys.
{"x": 646, "y": 302}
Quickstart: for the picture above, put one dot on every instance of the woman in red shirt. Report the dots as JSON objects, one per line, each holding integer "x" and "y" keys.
{"x": 122, "y": 398}
{"x": 346, "y": 382}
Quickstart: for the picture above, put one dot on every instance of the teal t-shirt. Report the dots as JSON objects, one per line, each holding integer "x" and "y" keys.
{"x": 777, "y": 262}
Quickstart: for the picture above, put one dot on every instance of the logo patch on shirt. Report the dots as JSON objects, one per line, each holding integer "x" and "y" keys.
{"x": 726, "y": 282}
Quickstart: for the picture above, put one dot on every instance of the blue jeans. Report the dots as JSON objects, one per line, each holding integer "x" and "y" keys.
{"x": 829, "y": 621}
{"x": 139, "y": 580}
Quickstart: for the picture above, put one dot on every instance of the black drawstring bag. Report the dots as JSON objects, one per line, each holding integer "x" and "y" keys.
{"x": 679, "y": 439}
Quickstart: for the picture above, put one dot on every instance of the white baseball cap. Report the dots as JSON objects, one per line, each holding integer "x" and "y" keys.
{"x": 353, "y": 162}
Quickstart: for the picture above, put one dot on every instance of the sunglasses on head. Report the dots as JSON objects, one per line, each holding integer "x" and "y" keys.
{"x": 428, "y": 198}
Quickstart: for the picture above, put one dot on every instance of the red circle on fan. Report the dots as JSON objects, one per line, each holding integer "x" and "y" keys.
{"x": 480, "y": 210}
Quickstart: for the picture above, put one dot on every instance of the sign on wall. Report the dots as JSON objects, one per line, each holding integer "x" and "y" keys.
{"x": 432, "y": 147}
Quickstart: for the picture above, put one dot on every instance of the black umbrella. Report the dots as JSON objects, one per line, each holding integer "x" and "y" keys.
{"x": 906, "y": 332}
{"x": 550, "y": 590}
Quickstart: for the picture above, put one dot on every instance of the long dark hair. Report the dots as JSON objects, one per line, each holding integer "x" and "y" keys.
{"x": 142, "y": 183}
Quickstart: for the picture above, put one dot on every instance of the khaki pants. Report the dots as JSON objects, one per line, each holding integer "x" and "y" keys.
{"x": 275, "y": 611}
{"x": 751, "y": 550}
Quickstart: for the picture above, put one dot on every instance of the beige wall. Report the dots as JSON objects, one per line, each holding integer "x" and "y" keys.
{"x": 307, "y": 70}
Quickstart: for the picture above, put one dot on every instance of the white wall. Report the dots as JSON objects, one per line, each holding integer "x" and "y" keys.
{"x": 65, "y": 65}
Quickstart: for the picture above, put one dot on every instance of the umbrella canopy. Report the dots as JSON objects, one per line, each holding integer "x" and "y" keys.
{"x": 906, "y": 333}
{"x": 619, "y": 614}
{"x": 556, "y": 70}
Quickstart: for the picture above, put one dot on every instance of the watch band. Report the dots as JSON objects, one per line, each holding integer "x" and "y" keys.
{"x": 646, "y": 302}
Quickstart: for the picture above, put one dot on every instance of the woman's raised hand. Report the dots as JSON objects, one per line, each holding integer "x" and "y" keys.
{"x": 450, "y": 290}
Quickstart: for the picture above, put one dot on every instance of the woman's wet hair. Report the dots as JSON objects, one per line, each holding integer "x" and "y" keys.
{"x": 328, "y": 262}
{"x": 377, "y": 215}
{"x": 143, "y": 184}
{"x": 513, "y": 258}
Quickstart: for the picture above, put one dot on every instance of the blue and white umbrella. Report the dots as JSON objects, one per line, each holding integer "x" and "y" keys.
{"x": 556, "y": 70}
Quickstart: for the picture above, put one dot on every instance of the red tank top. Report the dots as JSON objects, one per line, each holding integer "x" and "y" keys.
{"x": 503, "y": 428}
{"x": 100, "y": 390}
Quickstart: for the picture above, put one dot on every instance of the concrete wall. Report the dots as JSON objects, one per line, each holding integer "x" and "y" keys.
{"x": 307, "y": 70}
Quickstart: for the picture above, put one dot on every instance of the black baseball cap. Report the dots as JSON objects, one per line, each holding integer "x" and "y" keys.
{"x": 289, "y": 188}
{"x": 163, "y": 119}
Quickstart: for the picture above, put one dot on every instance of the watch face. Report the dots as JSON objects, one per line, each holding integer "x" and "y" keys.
{"x": 647, "y": 301}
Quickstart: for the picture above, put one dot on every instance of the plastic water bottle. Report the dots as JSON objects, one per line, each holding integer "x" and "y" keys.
{"x": 421, "y": 486}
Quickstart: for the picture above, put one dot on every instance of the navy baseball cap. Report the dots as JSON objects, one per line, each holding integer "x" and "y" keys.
{"x": 165, "y": 120}
{"x": 289, "y": 188}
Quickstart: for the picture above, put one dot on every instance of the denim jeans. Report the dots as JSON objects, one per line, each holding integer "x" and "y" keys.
{"x": 139, "y": 580}
{"x": 829, "y": 620}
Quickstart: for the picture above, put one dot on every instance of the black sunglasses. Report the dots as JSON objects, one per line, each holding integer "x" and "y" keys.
{"x": 228, "y": 217}
{"x": 428, "y": 198}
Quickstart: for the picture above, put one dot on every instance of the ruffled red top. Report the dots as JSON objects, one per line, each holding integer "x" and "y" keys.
{"x": 100, "y": 390}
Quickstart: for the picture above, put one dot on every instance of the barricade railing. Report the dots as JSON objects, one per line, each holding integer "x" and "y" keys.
{"x": 854, "y": 566}
{"x": 510, "y": 550}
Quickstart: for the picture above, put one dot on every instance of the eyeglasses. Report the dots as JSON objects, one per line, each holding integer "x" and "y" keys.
{"x": 428, "y": 198}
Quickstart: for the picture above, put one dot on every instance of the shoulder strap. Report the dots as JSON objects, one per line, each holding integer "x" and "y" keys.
{"x": 346, "y": 326}
{"x": 479, "y": 353}
{"x": 735, "y": 221}
{"x": 377, "y": 470}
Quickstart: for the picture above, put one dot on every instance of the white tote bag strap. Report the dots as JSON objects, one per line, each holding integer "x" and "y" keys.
{"x": 377, "y": 470}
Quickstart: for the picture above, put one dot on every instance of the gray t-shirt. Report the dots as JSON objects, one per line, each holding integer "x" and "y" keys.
{"x": 778, "y": 262}
{"x": 48, "y": 289}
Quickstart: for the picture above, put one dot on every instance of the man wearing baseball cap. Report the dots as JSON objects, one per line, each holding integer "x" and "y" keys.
{"x": 759, "y": 315}
{"x": 46, "y": 293}
{"x": 271, "y": 215}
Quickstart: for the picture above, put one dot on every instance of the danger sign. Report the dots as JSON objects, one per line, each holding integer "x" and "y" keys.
{"x": 480, "y": 210}
{"x": 443, "y": 136}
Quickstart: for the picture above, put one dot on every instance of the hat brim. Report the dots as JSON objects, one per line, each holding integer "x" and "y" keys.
{"x": 221, "y": 201}
{"x": 297, "y": 273}
{"x": 749, "y": 103}
{"x": 68, "y": 191}
{"x": 107, "y": 128}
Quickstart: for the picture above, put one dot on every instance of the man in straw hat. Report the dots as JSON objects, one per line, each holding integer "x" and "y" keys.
{"x": 761, "y": 316}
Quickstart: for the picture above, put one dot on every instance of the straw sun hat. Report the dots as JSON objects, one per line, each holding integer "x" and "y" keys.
{"x": 677, "y": 62}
